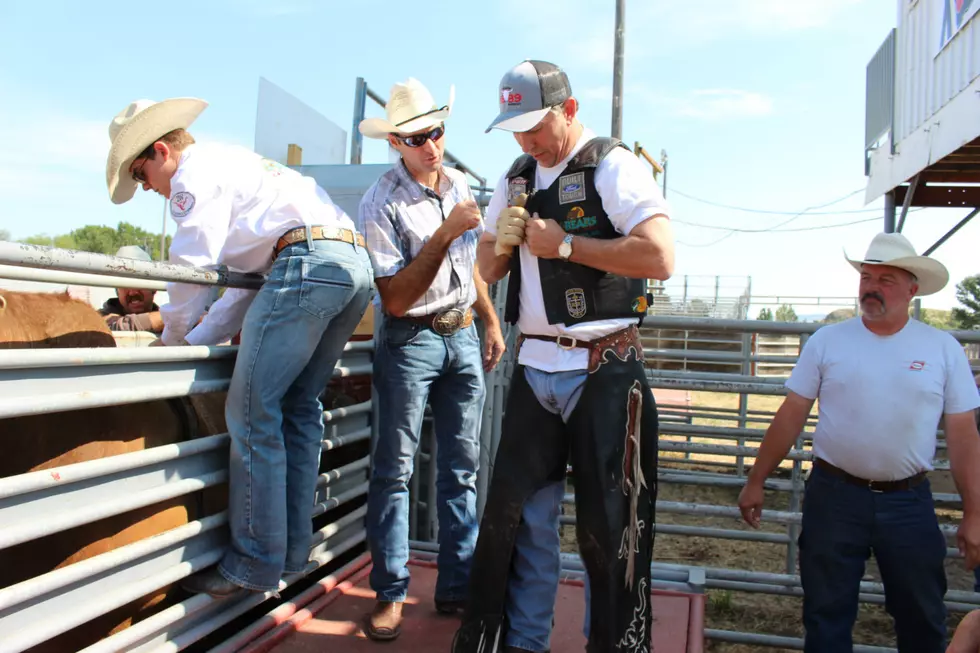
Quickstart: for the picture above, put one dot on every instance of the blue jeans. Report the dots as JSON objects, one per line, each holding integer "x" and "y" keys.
{"x": 294, "y": 333}
{"x": 842, "y": 525}
{"x": 536, "y": 566}
{"x": 414, "y": 364}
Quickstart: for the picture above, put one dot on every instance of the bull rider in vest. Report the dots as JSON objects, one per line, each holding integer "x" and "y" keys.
{"x": 579, "y": 225}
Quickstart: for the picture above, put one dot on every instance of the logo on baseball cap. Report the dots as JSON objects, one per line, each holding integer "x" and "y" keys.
{"x": 527, "y": 93}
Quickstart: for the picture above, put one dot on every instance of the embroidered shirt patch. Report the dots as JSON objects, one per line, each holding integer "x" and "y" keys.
{"x": 181, "y": 204}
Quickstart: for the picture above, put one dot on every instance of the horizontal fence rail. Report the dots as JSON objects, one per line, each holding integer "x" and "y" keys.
{"x": 69, "y": 260}
{"x": 45, "y": 502}
{"x": 52, "y": 501}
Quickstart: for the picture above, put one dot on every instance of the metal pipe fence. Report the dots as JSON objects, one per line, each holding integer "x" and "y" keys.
{"x": 34, "y": 382}
{"x": 42, "y": 503}
{"x": 707, "y": 447}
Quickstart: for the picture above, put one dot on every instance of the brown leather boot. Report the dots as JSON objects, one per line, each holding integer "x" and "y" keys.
{"x": 385, "y": 621}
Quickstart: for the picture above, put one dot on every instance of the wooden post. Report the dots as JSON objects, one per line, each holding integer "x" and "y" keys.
{"x": 294, "y": 155}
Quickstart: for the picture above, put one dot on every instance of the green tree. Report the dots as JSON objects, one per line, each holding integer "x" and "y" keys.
{"x": 785, "y": 313}
{"x": 936, "y": 318}
{"x": 968, "y": 294}
{"x": 4, "y": 234}
{"x": 102, "y": 239}
{"x": 839, "y": 315}
{"x": 765, "y": 314}
{"x": 96, "y": 238}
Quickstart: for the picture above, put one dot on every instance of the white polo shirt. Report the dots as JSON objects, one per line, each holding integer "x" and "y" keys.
{"x": 881, "y": 397}
{"x": 231, "y": 206}
{"x": 629, "y": 195}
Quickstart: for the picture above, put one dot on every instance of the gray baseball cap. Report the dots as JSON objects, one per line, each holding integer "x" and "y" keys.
{"x": 527, "y": 92}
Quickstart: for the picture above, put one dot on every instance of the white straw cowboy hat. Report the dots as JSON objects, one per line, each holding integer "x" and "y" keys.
{"x": 134, "y": 129}
{"x": 411, "y": 108}
{"x": 895, "y": 250}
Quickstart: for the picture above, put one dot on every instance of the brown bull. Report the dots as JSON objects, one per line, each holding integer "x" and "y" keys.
{"x": 31, "y": 320}
{"x": 38, "y": 442}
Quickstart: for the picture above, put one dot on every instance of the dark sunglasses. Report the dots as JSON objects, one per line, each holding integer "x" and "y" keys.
{"x": 138, "y": 173}
{"x": 418, "y": 140}
{"x": 146, "y": 155}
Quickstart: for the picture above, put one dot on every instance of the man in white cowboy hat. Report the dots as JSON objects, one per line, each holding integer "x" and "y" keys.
{"x": 422, "y": 225}
{"x": 578, "y": 225}
{"x": 252, "y": 215}
{"x": 883, "y": 381}
{"x": 132, "y": 309}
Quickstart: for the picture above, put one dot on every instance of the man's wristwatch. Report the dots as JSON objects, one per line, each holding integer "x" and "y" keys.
{"x": 565, "y": 249}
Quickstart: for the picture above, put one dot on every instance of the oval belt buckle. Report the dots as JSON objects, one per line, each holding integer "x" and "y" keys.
{"x": 448, "y": 322}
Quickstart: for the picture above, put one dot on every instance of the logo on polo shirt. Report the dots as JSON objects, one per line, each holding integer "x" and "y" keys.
{"x": 917, "y": 366}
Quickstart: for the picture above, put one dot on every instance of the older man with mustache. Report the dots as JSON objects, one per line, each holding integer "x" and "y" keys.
{"x": 884, "y": 381}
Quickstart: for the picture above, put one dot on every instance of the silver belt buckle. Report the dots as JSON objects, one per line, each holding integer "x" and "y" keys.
{"x": 571, "y": 341}
{"x": 448, "y": 322}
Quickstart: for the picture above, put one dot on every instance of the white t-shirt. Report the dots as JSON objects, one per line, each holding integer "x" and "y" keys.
{"x": 231, "y": 206}
{"x": 629, "y": 195}
{"x": 881, "y": 397}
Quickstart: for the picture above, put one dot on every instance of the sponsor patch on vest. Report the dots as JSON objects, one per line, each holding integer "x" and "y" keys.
{"x": 181, "y": 204}
{"x": 515, "y": 187}
{"x": 578, "y": 224}
{"x": 571, "y": 188}
{"x": 575, "y": 302}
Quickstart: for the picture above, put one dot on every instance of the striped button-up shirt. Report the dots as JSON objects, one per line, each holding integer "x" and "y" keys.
{"x": 398, "y": 215}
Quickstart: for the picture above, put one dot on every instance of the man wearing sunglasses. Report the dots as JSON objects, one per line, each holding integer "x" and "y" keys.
{"x": 422, "y": 226}
{"x": 252, "y": 215}
{"x": 579, "y": 225}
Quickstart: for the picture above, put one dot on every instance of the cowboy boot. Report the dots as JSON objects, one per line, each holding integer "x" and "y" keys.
{"x": 211, "y": 582}
{"x": 385, "y": 621}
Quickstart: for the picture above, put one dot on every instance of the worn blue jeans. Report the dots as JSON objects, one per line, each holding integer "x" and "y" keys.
{"x": 294, "y": 333}
{"x": 414, "y": 364}
{"x": 536, "y": 566}
{"x": 842, "y": 525}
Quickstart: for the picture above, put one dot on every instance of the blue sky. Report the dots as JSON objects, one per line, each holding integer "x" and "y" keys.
{"x": 759, "y": 104}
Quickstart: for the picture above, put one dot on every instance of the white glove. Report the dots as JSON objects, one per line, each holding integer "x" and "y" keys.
{"x": 510, "y": 227}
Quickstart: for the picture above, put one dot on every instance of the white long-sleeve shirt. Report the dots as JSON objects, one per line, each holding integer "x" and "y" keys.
{"x": 231, "y": 206}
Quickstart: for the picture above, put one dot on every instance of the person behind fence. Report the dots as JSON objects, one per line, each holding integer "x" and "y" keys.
{"x": 132, "y": 309}
{"x": 252, "y": 215}
{"x": 883, "y": 381}
{"x": 422, "y": 225}
{"x": 579, "y": 225}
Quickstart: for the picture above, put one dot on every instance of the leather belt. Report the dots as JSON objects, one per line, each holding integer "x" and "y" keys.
{"x": 874, "y": 486}
{"x": 445, "y": 323}
{"x": 298, "y": 234}
{"x": 619, "y": 342}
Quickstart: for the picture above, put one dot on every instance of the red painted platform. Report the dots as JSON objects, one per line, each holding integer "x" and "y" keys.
{"x": 334, "y": 621}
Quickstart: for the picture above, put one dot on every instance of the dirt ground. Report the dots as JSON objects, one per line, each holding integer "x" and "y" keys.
{"x": 755, "y": 612}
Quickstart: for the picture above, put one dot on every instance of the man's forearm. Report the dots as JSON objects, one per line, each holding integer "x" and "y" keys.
{"x": 780, "y": 436}
{"x": 483, "y": 306}
{"x": 628, "y": 256}
{"x": 493, "y": 268}
{"x": 135, "y": 322}
{"x": 410, "y": 283}
{"x": 963, "y": 451}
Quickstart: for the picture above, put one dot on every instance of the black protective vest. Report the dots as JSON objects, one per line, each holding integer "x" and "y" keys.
{"x": 572, "y": 292}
